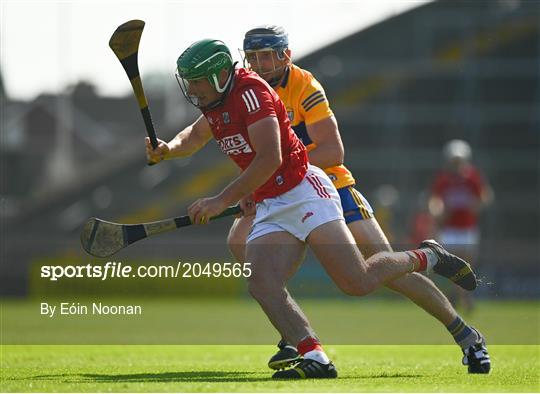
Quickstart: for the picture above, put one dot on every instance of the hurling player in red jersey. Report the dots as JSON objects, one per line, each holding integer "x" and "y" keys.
{"x": 458, "y": 194}
{"x": 296, "y": 203}
{"x": 266, "y": 50}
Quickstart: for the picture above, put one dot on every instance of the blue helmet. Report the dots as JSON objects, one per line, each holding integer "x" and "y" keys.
{"x": 266, "y": 37}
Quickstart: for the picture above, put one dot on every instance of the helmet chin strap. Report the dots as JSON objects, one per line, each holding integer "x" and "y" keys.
{"x": 277, "y": 80}
{"x": 225, "y": 86}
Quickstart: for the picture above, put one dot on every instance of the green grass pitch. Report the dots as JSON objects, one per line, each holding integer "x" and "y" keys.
{"x": 181, "y": 321}
{"x": 241, "y": 368}
{"x": 186, "y": 345}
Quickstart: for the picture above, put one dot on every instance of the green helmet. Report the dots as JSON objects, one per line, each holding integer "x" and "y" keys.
{"x": 205, "y": 59}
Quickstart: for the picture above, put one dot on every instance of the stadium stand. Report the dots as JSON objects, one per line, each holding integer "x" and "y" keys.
{"x": 400, "y": 90}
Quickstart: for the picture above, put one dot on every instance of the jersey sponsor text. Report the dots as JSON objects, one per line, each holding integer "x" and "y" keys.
{"x": 234, "y": 145}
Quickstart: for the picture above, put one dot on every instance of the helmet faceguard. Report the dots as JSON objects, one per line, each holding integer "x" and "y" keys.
{"x": 204, "y": 59}
{"x": 260, "y": 44}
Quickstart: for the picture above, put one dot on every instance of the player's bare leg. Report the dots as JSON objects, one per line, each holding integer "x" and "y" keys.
{"x": 335, "y": 248}
{"x": 386, "y": 266}
{"x": 274, "y": 257}
{"x": 236, "y": 240}
{"x": 238, "y": 234}
{"x": 237, "y": 245}
{"x": 422, "y": 291}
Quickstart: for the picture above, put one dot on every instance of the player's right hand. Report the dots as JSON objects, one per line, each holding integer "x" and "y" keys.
{"x": 158, "y": 154}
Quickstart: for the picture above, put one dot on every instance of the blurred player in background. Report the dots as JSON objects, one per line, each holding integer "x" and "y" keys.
{"x": 267, "y": 53}
{"x": 422, "y": 222}
{"x": 458, "y": 193}
{"x": 296, "y": 203}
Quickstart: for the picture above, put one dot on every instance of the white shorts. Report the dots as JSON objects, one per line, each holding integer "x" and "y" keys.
{"x": 313, "y": 202}
{"x": 459, "y": 237}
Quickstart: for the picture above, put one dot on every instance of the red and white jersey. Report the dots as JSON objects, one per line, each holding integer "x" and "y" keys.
{"x": 249, "y": 100}
{"x": 460, "y": 193}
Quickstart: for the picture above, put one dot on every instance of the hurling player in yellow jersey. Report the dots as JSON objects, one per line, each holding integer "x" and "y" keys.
{"x": 266, "y": 52}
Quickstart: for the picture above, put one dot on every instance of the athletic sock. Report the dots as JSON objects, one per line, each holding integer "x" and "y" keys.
{"x": 464, "y": 335}
{"x": 426, "y": 259}
{"x": 285, "y": 345}
{"x": 311, "y": 348}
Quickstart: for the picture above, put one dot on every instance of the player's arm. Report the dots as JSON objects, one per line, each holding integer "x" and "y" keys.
{"x": 328, "y": 151}
{"x": 435, "y": 201}
{"x": 265, "y": 140}
{"x": 321, "y": 125}
{"x": 186, "y": 143}
{"x": 487, "y": 195}
{"x": 484, "y": 191}
{"x": 436, "y": 206}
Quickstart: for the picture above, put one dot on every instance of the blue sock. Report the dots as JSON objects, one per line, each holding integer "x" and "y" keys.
{"x": 463, "y": 334}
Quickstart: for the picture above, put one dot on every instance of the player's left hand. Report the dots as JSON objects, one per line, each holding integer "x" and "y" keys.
{"x": 203, "y": 209}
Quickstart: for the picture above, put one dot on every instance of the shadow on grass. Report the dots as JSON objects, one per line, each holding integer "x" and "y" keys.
{"x": 192, "y": 377}
{"x": 188, "y": 376}
{"x": 393, "y": 375}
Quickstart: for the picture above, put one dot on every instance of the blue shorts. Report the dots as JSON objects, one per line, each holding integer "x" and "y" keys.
{"x": 355, "y": 206}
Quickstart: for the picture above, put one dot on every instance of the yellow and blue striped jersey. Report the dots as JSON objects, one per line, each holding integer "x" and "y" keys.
{"x": 306, "y": 103}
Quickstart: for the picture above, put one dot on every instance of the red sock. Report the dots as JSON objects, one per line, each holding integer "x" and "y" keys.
{"x": 422, "y": 258}
{"x": 308, "y": 344}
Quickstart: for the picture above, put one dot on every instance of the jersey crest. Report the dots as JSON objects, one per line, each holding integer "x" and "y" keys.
{"x": 226, "y": 118}
{"x": 290, "y": 114}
